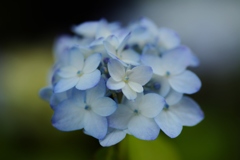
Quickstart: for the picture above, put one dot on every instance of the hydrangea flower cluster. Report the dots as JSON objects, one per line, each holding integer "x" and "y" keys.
{"x": 111, "y": 81}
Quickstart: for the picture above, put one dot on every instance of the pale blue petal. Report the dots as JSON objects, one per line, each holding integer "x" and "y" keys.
{"x": 176, "y": 60}
{"x": 128, "y": 92}
{"x": 85, "y": 51}
{"x": 104, "y": 106}
{"x": 103, "y": 29}
{"x": 141, "y": 74}
{"x": 151, "y": 105}
{"x": 113, "y": 137}
{"x": 188, "y": 111}
{"x": 130, "y": 56}
{"x": 123, "y": 43}
{"x": 115, "y": 85}
{"x": 96, "y": 92}
{"x": 92, "y": 62}
{"x": 95, "y": 125}
{"x": 168, "y": 39}
{"x": 87, "y": 29}
{"x": 68, "y": 116}
{"x": 150, "y": 25}
{"x": 78, "y": 96}
{"x": 143, "y": 128}
{"x": 57, "y": 98}
{"x": 67, "y": 72}
{"x": 150, "y": 49}
{"x": 113, "y": 40}
{"x": 192, "y": 59}
{"x": 116, "y": 70}
{"x": 165, "y": 87}
{"x": 89, "y": 80}
{"x": 97, "y": 42}
{"x": 46, "y": 93}
{"x": 65, "y": 84}
{"x": 186, "y": 82}
{"x": 173, "y": 97}
{"x": 76, "y": 58}
{"x": 120, "y": 118}
{"x": 111, "y": 50}
{"x": 154, "y": 62}
{"x": 169, "y": 123}
{"x": 135, "y": 86}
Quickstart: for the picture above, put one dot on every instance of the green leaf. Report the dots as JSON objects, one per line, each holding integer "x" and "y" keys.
{"x": 159, "y": 149}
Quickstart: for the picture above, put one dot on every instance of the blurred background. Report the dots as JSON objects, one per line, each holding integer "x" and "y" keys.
{"x": 28, "y": 30}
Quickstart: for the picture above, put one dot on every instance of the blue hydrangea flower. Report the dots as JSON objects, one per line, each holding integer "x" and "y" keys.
{"x": 79, "y": 73}
{"x": 138, "y": 116}
{"x": 116, "y": 50}
{"x": 113, "y": 137}
{"x": 111, "y": 81}
{"x": 178, "y": 112}
{"x": 129, "y": 81}
{"x": 171, "y": 67}
{"x": 85, "y": 109}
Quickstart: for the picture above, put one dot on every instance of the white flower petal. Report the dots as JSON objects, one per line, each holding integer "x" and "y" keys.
{"x": 150, "y": 25}
{"x": 192, "y": 59}
{"x": 113, "y": 137}
{"x": 130, "y": 56}
{"x": 169, "y": 123}
{"x": 113, "y": 40}
{"x": 141, "y": 74}
{"x": 188, "y": 111}
{"x": 87, "y": 29}
{"x": 143, "y": 128}
{"x": 154, "y": 62}
{"x": 65, "y": 84}
{"x": 103, "y": 29}
{"x": 123, "y": 43}
{"x": 104, "y": 106}
{"x": 95, "y": 125}
{"x": 151, "y": 105}
{"x": 88, "y": 80}
{"x": 186, "y": 82}
{"x": 165, "y": 87}
{"x": 67, "y": 72}
{"x": 168, "y": 39}
{"x": 76, "y": 58}
{"x": 175, "y": 61}
{"x": 116, "y": 69}
{"x": 92, "y": 62}
{"x": 135, "y": 87}
{"x": 68, "y": 116}
{"x": 128, "y": 92}
{"x": 111, "y": 50}
{"x": 115, "y": 85}
{"x": 96, "y": 92}
{"x": 173, "y": 97}
{"x": 120, "y": 118}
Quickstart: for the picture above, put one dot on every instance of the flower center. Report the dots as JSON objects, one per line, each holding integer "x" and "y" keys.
{"x": 166, "y": 107}
{"x": 79, "y": 73}
{"x": 87, "y": 107}
{"x": 125, "y": 79}
{"x": 136, "y": 111}
{"x": 167, "y": 74}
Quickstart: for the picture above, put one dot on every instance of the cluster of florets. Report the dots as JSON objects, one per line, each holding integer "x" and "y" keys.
{"x": 111, "y": 81}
